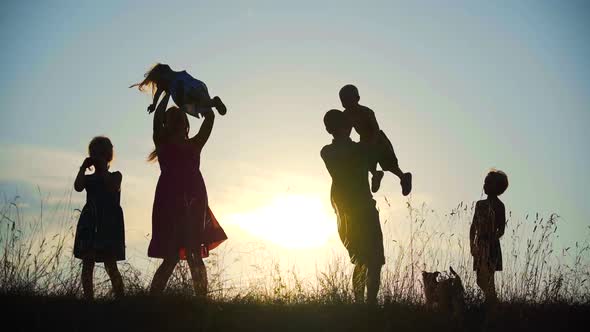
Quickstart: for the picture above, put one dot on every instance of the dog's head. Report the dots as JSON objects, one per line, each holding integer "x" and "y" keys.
{"x": 430, "y": 278}
{"x": 430, "y": 284}
{"x": 446, "y": 294}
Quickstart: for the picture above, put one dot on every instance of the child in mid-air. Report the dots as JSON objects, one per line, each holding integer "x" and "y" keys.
{"x": 380, "y": 148}
{"x": 190, "y": 94}
{"x": 100, "y": 233}
{"x": 489, "y": 222}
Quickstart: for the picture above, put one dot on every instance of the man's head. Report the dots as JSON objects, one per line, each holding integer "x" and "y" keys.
{"x": 349, "y": 96}
{"x": 337, "y": 124}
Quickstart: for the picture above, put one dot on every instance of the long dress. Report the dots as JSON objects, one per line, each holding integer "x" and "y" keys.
{"x": 181, "y": 218}
{"x": 100, "y": 233}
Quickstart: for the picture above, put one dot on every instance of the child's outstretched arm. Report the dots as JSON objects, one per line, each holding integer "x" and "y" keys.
{"x": 157, "y": 95}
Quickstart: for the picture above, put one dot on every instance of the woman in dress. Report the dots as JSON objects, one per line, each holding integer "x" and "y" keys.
{"x": 183, "y": 226}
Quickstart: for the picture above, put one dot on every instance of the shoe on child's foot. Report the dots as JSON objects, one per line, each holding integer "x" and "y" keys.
{"x": 219, "y": 105}
{"x": 376, "y": 181}
{"x": 406, "y": 182}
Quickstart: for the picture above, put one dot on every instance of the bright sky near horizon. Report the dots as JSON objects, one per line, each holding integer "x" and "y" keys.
{"x": 458, "y": 87}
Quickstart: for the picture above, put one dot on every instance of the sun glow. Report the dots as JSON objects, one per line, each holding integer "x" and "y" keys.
{"x": 291, "y": 221}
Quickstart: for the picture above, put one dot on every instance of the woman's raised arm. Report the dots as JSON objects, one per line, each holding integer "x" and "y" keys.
{"x": 159, "y": 117}
{"x": 206, "y": 127}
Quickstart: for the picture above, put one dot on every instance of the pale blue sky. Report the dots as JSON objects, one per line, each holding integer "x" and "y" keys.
{"x": 458, "y": 87}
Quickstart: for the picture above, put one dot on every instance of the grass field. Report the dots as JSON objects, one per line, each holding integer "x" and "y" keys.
{"x": 179, "y": 313}
{"x": 543, "y": 288}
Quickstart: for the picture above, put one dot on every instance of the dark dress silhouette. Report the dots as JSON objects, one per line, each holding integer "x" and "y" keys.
{"x": 100, "y": 233}
{"x": 489, "y": 222}
{"x": 181, "y": 218}
{"x": 358, "y": 218}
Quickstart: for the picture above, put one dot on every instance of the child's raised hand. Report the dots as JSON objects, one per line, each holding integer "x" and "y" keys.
{"x": 88, "y": 162}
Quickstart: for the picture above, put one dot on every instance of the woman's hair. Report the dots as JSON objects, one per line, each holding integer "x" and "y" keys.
{"x": 152, "y": 77}
{"x": 495, "y": 183}
{"x": 174, "y": 120}
{"x": 101, "y": 147}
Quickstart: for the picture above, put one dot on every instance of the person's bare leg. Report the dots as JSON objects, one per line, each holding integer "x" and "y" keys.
{"x": 219, "y": 105}
{"x": 485, "y": 281}
{"x": 359, "y": 282}
{"x": 214, "y": 102}
{"x": 405, "y": 179}
{"x": 162, "y": 275}
{"x": 373, "y": 283}
{"x": 397, "y": 171}
{"x": 491, "y": 296}
{"x": 115, "y": 276}
{"x": 198, "y": 273}
{"x": 87, "y": 278}
{"x": 480, "y": 280}
{"x": 376, "y": 176}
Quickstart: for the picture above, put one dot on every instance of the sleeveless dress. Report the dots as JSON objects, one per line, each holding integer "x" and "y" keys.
{"x": 100, "y": 233}
{"x": 194, "y": 92}
{"x": 489, "y": 222}
{"x": 181, "y": 218}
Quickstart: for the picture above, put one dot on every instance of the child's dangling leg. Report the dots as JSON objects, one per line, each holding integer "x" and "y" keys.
{"x": 388, "y": 161}
{"x": 115, "y": 276}
{"x": 219, "y": 105}
{"x": 405, "y": 180}
{"x": 376, "y": 177}
{"x": 87, "y": 278}
{"x": 196, "y": 109}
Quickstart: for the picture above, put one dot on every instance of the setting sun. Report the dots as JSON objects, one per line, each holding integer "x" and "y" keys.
{"x": 292, "y": 221}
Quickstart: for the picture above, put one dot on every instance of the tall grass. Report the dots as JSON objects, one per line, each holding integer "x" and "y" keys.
{"x": 36, "y": 258}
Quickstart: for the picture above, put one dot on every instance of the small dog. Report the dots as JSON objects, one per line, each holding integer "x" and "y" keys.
{"x": 446, "y": 294}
